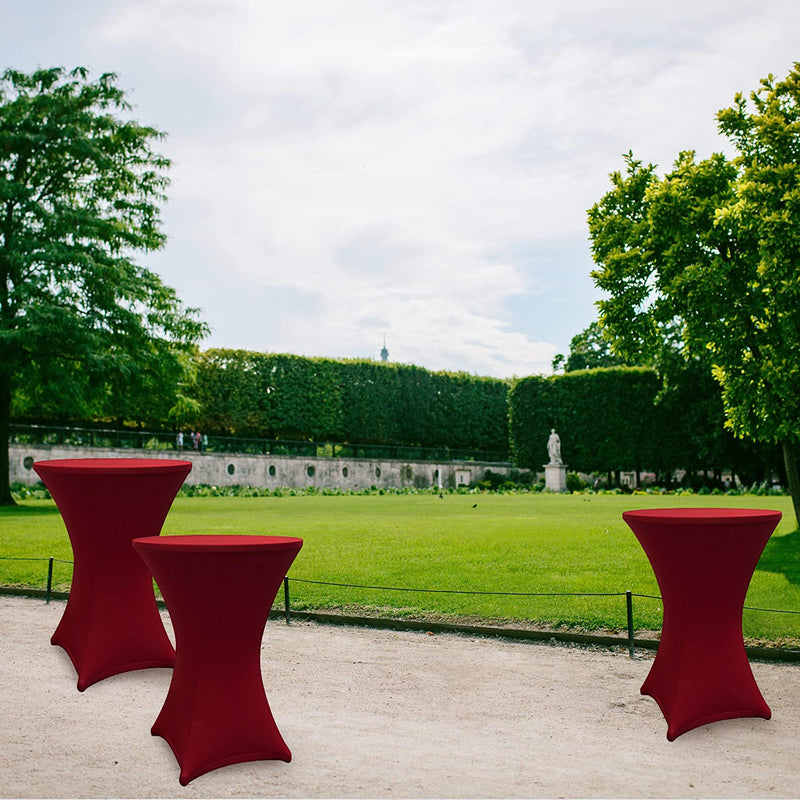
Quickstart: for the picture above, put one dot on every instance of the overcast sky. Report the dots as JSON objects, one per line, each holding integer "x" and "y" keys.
{"x": 419, "y": 170}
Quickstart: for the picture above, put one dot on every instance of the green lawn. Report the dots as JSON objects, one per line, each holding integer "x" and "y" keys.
{"x": 505, "y": 543}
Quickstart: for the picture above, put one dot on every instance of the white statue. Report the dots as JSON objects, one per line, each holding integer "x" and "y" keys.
{"x": 554, "y": 447}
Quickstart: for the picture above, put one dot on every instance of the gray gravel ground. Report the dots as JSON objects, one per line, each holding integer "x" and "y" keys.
{"x": 371, "y": 713}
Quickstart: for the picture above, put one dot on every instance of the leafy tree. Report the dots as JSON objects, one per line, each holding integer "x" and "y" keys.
{"x": 704, "y": 264}
{"x": 80, "y": 189}
{"x": 590, "y": 349}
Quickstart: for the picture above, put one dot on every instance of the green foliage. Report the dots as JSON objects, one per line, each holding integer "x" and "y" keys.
{"x": 606, "y": 418}
{"x": 627, "y": 418}
{"x": 704, "y": 264}
{"x": 618, "y": 228}
{"x": 84, "y": 330}
{"x": 757, "y": 360}
{"x": 23, "y": 492}
{"x": 369, "y": 401}
{"x": 514, "y": 481}
{"x": 575, "y": 483}
{"x": 285, "y": 396}
{"x": 590, "y": 349}
{"x": 692, "y": 433}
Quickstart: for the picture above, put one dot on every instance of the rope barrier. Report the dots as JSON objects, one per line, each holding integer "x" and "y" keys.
{"x": 771, "y": 610}
{"x": 21, "y": 558}
{"x": 440, "y": 591}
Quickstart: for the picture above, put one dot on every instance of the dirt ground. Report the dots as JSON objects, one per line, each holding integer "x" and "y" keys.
{"x": 371, "y": 713}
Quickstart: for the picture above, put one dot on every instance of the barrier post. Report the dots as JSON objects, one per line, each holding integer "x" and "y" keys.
{"x": 286, "y": 609}
{"x": 49, "y": 579}
{"x": 629, "y": 608}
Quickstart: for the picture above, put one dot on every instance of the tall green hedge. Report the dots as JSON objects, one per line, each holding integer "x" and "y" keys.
{"x": 625, "y": 418}
{"x": 619, "y": 418}
{"x": 605, "y": 418}
{"x": 292, "y": 397}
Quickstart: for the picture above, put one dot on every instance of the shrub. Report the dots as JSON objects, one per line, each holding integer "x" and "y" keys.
{"x": 19, "y": 491}
{"x": 575, "y": 483}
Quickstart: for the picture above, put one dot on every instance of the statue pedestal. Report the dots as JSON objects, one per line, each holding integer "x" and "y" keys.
{"x": 555, "y": 477}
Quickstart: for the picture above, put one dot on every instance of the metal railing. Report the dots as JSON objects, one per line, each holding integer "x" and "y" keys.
{"x": 167, "y": 441}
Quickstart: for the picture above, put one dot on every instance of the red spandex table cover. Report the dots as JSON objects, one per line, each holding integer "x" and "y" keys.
{"x": 111, "y": 623}
{"x": 703, "y": 559}
{"x": 218, "y": 591}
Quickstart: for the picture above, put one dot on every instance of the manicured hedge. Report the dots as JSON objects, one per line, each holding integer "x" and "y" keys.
{"x": 614, "y": 419}
{"x": 292, "y": 397}
{"x": 626, "y": 419}
{"x": 605, "y": 418}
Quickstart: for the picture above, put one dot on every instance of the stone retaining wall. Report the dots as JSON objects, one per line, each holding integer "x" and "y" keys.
{"x": 271, "y": 471}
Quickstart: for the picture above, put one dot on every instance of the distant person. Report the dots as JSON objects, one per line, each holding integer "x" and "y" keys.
{"x": 179, "y": 440}
{"x": 204, "y": 443}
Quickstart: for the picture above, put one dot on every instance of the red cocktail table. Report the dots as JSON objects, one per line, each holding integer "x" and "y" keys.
{"x": 111, "y": 623}
{"x": 703, "y": 559}
{"x": 218, "y": 591}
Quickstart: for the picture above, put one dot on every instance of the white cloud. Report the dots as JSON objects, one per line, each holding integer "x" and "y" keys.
{"x": 376, "y": 156}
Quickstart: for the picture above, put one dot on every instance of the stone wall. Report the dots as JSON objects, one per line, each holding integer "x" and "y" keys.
{"x": 270, "y": 471}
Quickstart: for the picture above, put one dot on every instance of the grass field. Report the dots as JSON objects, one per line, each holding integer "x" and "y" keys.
{"x": 464, "y": 542}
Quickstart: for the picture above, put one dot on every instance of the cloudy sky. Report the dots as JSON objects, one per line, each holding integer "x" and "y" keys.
{"x": 419, "y": 170}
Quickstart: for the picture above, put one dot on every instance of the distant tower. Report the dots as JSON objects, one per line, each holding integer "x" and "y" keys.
{"x": 384, "y": 352}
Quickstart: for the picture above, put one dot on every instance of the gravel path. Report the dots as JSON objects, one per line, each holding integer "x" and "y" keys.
{"x": 378, "y": 714}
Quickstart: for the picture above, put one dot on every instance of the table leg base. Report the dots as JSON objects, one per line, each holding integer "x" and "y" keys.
{"x": 679, "y": 723}
{"x": 192, "y": 768}
{"x": 90, "y": 675}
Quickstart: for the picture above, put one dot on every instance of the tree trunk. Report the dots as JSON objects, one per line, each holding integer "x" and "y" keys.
{"x": 5, "y": 434}
{"x": 792, "y": 475}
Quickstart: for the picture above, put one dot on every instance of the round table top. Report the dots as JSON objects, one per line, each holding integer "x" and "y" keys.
{"x": 703, "y": 516}
{"x": 113, "y": 466}
{"x": 207, "y": 543}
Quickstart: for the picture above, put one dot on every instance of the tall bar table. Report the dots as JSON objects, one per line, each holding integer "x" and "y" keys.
{"x": 703, "y": 559}
{"x": 111, "y": 623}
{"x": 218, "y": 591}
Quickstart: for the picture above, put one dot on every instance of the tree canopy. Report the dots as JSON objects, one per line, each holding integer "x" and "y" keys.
{"x": 591, "y": 349}
{"x": 704, "y": 264}
{"x": 80, "y": 195}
